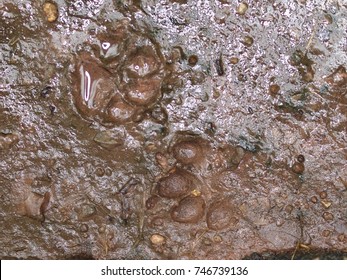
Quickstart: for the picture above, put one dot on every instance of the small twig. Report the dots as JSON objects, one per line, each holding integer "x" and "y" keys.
{"x": 314, "y": 31}
{"x": 130, "y": 183}
{"x": 13, "y": 41}
{"x": 296, "y": 248}
{"x": 197, "y": 239}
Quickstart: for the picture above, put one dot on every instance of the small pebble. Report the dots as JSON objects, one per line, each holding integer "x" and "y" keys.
{"x": 152, "y": 201}
{"x": 192, "y": 60}
{"x": 241, "y": 77}
{"x": 289, "y": 209}
{"x": 300, "y": 158}
{"x": 328, "y": 216}
{"x": 234, "y": 60}
{"x": 157, "y": 221}
{"x": 298, "y": 168}
{"x": 326, "y": 204}
{"x": 274, "y": 89}
{"x": 248, "y": 41}
{"x": 108, "y": 171}
{"x": 341, "y": 237}
{"x": 99, "y": 171}
{"x": 279, "y": 222}
{"x": 87, "y": 210}
{"x": 84, "y": 228}
{"x": 217, "y": 239}
{"x": 162, "y": 161}
{"x": 242, "y": 8}
{"x": 314, "y": 199}
{"x": 323, "y": 194}
{"x": 51, "y": 11}
{"x": 150, "y": 147}
{"x": 207, "y": 241}
{"x": 216, "y": 94}
{"x": 326, "y": 233}
{"x": 195, "y": 192}
{"x": 328, "y": 19}
{"x": 157, "y": 239}
{"x": 101, "y": 229}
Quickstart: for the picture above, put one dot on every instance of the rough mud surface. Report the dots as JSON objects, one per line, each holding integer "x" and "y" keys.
{"x": 173, "y": 129}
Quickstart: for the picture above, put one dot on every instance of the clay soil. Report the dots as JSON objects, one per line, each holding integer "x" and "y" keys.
{"x": 173, "y": 129}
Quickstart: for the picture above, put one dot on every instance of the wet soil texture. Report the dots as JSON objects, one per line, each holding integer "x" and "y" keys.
{"x": 172, "y": 129}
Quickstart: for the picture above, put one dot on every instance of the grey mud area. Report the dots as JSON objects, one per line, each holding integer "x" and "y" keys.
{"x": 173, "y": 129}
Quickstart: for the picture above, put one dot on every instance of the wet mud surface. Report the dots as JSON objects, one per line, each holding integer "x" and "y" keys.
{"x": 173, "y": 129}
